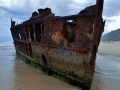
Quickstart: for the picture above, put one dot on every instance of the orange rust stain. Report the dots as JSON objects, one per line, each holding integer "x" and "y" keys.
{"x": 57, "y": 37}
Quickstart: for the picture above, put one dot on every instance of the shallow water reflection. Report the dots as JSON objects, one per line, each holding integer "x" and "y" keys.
{"x": 107, "y": 73}
{"x": 17, "y": 75}
{"x": 29, "y": 78}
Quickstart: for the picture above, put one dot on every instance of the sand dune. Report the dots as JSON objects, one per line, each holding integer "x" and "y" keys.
{"x": 109, "y": 48}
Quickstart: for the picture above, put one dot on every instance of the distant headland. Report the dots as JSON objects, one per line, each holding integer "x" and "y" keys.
{"x": 112, "y": 36}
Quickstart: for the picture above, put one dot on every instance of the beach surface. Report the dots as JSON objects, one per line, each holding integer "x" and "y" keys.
{"x": 109, "y": 48}
{"x": 15, "y": 74}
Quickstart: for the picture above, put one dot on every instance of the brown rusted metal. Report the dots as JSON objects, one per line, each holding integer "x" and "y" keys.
{"x": 65, "y": 46}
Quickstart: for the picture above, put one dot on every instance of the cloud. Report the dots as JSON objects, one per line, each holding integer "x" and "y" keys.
{"x": 113, "y": 23}
{"x": 20, "y": 10}
{"x": 111, "y": 14}
{"x": 112, "y": 8}
{"x": 28, "y": 6}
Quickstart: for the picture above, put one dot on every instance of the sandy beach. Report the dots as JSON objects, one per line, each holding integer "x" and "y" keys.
{"x": 109, "y": 48}
{"x": 15, "y": 74}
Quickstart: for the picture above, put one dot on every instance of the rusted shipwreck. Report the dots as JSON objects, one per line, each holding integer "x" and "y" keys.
{"x": 63, "y": 46}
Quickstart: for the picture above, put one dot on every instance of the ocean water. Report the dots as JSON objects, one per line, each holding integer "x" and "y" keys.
{"x": 17, "y": 75}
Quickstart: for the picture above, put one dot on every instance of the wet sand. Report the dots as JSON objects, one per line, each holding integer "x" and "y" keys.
{"x": 7, "y": 60}
{"x": 15, "y": 74}
{"x": 29, "y": 78}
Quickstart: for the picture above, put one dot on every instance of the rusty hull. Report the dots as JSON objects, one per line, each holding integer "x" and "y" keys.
{"x": 63, "y": 46}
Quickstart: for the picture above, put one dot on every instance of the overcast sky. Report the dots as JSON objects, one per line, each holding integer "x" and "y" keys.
{"x": 20, "y": 10}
